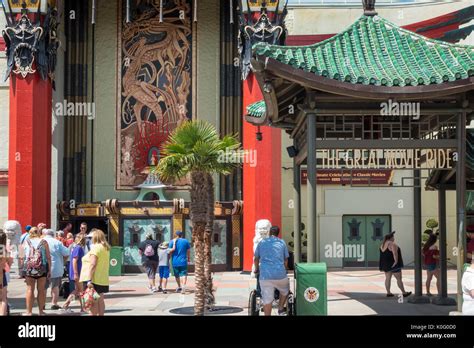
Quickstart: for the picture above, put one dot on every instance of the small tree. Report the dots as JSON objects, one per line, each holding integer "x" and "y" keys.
{"x": 431, "y": 224}
{"x": 194, "y": 148}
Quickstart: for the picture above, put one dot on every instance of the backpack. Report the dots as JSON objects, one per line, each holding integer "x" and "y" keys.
{"x": 149, "y": 251}
{"x": 35, "y": 266}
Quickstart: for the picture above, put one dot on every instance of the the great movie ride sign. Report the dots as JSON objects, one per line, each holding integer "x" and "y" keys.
{"x": 387, "y": 159}
{"x": 374, "y": 177}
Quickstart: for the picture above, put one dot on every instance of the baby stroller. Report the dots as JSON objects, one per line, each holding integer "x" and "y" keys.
{"x": 256, "y": 303}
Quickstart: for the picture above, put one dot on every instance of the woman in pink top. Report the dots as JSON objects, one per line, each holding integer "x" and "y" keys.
{"x": 430, "y": 254}
{"x": 5, "y": 262}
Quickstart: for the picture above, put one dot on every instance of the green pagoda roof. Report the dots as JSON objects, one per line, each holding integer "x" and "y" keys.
{"x": 257, "y": 109}
{"x": 377, "y": 52}
{"x": 374, "y": 51}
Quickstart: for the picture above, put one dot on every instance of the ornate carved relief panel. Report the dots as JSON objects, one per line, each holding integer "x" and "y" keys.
{"x": 154, "y": 83}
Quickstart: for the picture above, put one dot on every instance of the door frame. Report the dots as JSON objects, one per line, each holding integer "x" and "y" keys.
{"x": 139, "y": 268}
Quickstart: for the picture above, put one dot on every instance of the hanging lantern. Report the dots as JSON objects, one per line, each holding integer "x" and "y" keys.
{"x": 31, "y": 43}
{"x": 261, "y": 21}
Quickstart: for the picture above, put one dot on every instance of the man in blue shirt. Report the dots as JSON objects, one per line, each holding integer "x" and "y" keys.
{"x": 58, "y": 252}
{"x": 180, "y": 249}
{"x": 271, "y": 262}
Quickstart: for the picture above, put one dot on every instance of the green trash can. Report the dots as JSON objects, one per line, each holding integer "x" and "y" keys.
{"x": 311, "y": 289}
{"x": 116, "y": 261}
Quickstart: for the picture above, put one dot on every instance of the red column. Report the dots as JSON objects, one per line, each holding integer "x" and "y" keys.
{"x": 29, "y": 186}
{"x": 262, "y": 183}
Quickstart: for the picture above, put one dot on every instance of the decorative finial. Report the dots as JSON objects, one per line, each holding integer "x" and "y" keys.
{"x": 369, "y": 7}
{"x": 24, "y": 9}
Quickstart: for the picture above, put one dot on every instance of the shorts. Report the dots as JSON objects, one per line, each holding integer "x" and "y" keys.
{"x": 36, "y": 277}
{"x": 4, "y": 280}
{"x": 45, "y": 269}
{"x": 431, "y": 267}
{"x": 101, "y": 289}
{"x": 151, "y": 267}
{"x": 164, "y": 272}
{"x": 396, "y": 270}
{"x": 54, "y": 282}
{"x": 268, "y": 289}
{"x": 180, "y": 271}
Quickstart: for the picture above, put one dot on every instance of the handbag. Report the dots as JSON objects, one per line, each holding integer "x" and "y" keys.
{"x": 88, "y": 298}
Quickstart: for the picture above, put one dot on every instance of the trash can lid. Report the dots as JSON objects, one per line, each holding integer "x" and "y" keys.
{"x": 311, "y": 268}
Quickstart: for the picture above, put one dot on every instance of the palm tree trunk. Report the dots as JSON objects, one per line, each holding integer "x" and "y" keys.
{"x": 198, "y": 216}
{"x": 208, "y": 240}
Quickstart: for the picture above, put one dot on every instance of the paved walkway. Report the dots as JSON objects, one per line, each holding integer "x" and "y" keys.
{"x": 349, "y": 293}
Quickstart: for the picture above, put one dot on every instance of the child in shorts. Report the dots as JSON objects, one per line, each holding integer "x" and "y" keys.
{"x": 163, "y": 265}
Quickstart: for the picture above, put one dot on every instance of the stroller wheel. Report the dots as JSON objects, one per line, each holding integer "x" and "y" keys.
{"x": 253, "y": 310}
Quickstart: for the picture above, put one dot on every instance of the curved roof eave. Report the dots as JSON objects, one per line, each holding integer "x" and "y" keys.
{"x": 321, "y": 83}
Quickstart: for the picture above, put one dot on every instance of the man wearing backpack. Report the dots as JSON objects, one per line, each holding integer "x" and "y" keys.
{"x": 149, "y": 251}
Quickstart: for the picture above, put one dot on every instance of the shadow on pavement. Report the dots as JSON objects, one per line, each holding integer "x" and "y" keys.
{"x": 383, "y": 305}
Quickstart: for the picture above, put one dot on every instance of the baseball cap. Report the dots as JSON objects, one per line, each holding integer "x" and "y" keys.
{"x": 179, "y": 233}
{"x": 28, "y": 228}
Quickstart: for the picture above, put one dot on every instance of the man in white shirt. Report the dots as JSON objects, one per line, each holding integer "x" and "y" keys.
{"x": 467, "y": 284}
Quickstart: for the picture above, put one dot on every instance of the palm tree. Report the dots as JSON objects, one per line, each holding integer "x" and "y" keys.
{"x": 195, "y": 149}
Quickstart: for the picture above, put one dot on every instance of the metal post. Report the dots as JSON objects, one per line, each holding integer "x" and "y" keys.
{"x": 297, "y": 210}
{"x": 311, "y": 230}
{"x": 461, "y": 201}
{"x": 443, "y": 299}
{"x": 161, "y": 11}
{"x": 128, "y": 12}
{"x": 418, "y": 296}
{"x": 94, "y": 11}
